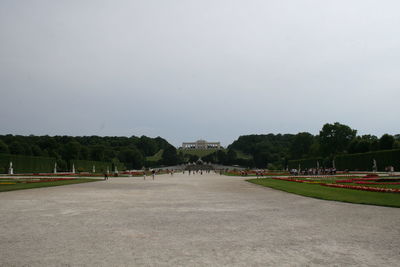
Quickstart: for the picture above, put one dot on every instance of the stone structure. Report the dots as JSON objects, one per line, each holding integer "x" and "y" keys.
{"x": 11, "y": 169}
{"x": 201, "y": 144}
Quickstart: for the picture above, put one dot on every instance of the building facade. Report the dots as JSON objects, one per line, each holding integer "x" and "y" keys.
{"x": 201, "y": 144}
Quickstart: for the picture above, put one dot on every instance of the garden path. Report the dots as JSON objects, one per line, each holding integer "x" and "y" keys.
{"x": 196, "y": 220}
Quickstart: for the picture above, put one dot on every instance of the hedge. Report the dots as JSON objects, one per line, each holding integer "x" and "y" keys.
{"x": 354, "y": 162}
{"x": 26, "y": 164}
{"x": 364, "y": 161}
{"x": 101, "y": 166}
{"x": 31, "y": 164}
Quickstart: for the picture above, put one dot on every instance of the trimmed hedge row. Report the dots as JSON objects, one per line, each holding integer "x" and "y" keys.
{"x": 26, "y": 164}
{"x": 364, "y": 161}
{"x": 354, "y": 162}
{"x": 87, "y": 166}
{"x": 30, "y": 164}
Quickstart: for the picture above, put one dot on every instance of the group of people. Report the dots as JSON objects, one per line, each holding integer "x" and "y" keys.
{"x": 313, "y": 171}
{"x": 197, "y": 171}
{"x": 153, "y": 173}
{"x": 169, "y": 171}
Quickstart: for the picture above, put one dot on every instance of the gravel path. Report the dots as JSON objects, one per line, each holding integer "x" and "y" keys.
{"x": 197, "y": 220}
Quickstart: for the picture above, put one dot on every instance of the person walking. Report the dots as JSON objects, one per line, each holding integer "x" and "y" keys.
{"x": 105, "y": 176}
{"x": 153, "y": 173}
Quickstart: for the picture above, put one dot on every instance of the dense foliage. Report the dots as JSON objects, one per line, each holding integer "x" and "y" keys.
{"x": 274, "y": 151}
{"x": 131, "y": 151}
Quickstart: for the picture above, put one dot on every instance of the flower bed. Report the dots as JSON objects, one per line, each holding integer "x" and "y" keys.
{"x": 364, "y": 188}
{"x": 371, "y": 175}
{"x": 344, "y": 181}
{"x": 378, "y": 183}
{"x": 356, "y": 187}
{"x": 254, "y": 173}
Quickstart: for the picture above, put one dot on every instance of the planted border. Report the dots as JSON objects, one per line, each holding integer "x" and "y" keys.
{"x": 331, "y": 193}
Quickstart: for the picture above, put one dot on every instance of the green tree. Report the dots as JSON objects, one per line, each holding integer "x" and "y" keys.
{"x": 71, "y": 150}
{"x": 97, "y": 152}
{"x": 193, "y": 158}
{"x": 84, "y": 153}
{"x": 132, "y": 158}
{"x": 170, "y": 156}
{"x": 231, "y": 157}
{"x": 36, "y": 151}
{"x": 209, "y": 158}
{"x": 386, "y": 141}
{"x": 262, "y": 158}
{"x": 301, "y": 145}
{"x": 147, "y": 145}
{"x": 3, "y": 147}
{"x": 363, "y": 144}
{"x": 16, "y": 148}
{"x": 221, "y": 156}
{"x": 335, "y": 138}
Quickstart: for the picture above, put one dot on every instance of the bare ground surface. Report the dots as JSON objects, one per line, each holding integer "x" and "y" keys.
{"x": 202, "y": 220}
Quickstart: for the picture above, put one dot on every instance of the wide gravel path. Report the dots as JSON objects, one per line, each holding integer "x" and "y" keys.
{"x": 197, "y": 220}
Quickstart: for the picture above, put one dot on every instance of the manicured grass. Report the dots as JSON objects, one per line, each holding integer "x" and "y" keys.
{"x": 21, "y": 186}
{"x": 329, "y": 193}
{"x": 156, "y": 157}
{"x": 198, "y": 152}
{"x": 241, "y": 155}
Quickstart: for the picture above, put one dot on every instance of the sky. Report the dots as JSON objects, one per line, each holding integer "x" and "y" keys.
{"x": 206, "y": 69}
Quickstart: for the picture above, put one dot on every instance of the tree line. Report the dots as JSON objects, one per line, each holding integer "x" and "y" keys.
{"x": 273, "y": 151}
{"x": 132, "y": 151}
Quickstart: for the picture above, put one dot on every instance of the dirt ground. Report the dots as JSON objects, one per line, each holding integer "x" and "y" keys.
{"x": 197, "y": 220}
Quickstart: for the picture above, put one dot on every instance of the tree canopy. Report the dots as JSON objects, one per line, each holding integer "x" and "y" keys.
{"x": 129, "y": 150}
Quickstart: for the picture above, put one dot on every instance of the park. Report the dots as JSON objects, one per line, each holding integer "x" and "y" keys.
{"x": 197, "y": 205}
{"x": 190, "y": 220}
{"x": 199, "y": 133}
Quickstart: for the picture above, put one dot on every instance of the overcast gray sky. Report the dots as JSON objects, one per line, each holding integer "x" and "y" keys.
{"x": 185, "y": 70}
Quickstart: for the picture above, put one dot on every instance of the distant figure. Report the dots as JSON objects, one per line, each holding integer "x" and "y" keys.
{"x": 153, "y": 173}
{"x": 144, "y": 175}
{"x": 105, "y": 176}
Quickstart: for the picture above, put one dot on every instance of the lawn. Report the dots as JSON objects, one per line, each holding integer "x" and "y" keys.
{"x": 10, "y": 185}
{"x": 329, "y": 193}
{"x": 198, "y": 152}
{"x": 156, "y": 157}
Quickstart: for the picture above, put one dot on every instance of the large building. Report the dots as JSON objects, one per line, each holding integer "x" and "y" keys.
{"x": 201, "y": 144}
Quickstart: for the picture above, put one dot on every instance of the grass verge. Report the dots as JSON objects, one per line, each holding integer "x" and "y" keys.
{"x": 21, "y": 186}
{"x": 329, "y": 193}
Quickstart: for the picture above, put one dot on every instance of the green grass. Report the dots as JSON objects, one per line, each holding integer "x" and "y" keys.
{"x": 21, "y": 186}
{"x": 198, "y": 152}
{"x": 241, "y": 155}
{"x": 156, "y": 157}
{"x": 330, "y": 193}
